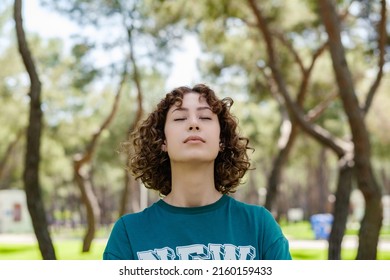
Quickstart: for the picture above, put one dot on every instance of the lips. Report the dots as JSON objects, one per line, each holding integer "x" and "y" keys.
{"x": 194, "y": 138}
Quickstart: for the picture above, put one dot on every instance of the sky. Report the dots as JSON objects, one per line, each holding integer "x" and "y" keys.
{"x": 49, "y": 24}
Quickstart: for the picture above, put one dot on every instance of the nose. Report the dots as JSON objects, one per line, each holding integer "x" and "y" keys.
{"x": 193, "y": 127}
{"x": 193, "y": 124}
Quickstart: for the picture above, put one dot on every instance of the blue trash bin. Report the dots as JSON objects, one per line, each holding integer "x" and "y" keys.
{"x": 321, "y": 225}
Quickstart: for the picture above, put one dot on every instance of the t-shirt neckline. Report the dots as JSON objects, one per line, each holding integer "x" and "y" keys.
{"x": 193, "y": 210}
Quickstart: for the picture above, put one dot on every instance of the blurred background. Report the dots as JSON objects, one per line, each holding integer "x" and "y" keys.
{"x": 310, "y": 81}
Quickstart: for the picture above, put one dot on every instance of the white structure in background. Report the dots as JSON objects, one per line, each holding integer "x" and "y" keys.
{"x": 295, "y": 215}
{"x": 14, "y": 216}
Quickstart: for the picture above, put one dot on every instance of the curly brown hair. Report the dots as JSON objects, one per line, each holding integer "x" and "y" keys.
{"x": 151, "y": 164}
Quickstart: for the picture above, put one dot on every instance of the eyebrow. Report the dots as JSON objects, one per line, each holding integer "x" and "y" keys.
{"x": 197, "y": 109}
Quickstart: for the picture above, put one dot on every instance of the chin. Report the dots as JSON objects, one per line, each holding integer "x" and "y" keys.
{"x": 195, "y": 159}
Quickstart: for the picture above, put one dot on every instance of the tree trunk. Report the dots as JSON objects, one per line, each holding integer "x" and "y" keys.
{"x": 90, "y": 202}
{"x": 277, "y": 167}
{"x": 130, "y": 199}
{"x": 295, "y": 111}
{"x": 82, "y": 177}
{"x": 252, "y": 196}
{"x": 322, "y": 182}
{"x": 371, "y": 224}
{"x": 131, "y": 189}
{"x": 341, "y": 209}
{"x": 31, "y": 168}
{"x": 338, "y": 146}
{"x": 372, "y": 221}
{"x": 123, "y": 207}
{"x": 373, "y": 215}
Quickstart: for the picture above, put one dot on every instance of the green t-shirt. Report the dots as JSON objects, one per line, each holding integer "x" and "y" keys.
{"x": 225, "y": 230}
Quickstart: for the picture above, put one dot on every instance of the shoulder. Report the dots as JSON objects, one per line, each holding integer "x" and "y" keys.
{"x": 137, "y": 217}
{"x": 257, "y": 214}
{"x": 132, "y": 220}
{"x": 250, "y": 208}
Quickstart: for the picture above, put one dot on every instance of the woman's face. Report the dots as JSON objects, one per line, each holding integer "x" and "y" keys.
{"x": 192, "y": 131}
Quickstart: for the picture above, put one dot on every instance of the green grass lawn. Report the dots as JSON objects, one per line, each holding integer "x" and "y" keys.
{"x": 303, "y": 231}
{"x": 71, "y": 250}
{"x": 346, "y": 254}
{"x": 65, "y": 250}
{"x": 68, "y": 246}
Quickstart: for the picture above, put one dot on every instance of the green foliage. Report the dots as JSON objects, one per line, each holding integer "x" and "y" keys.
{"x": 84, "y": 73}
{"x": 258, "y": 122}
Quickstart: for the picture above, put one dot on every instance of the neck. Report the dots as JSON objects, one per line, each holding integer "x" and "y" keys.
{"x": 192, "y": 185}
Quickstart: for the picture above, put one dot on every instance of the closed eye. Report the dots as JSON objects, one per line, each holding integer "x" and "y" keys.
{"x": 205, "y": 118}
{"x": 179, "y": 119}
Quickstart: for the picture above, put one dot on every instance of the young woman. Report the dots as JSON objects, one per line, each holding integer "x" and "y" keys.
{"x": 189, "y": 150}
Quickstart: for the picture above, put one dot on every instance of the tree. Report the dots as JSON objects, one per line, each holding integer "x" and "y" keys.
{"x": 83, "y": 177}
{"x": 32, "y": 157}
{"x": 135, "y": 31}
{"x": 278, "y": 68}
{"x": 349, "y": 155}
{"x": 367, "y": 183}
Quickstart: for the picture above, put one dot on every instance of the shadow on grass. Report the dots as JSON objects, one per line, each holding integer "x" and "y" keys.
{"x": 16, "y": 248}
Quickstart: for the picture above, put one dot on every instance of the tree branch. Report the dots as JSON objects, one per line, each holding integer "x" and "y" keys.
{"x": 88, "y": 153}
{"x": 337, "y": 145}
{"x": 382, "y": 38}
